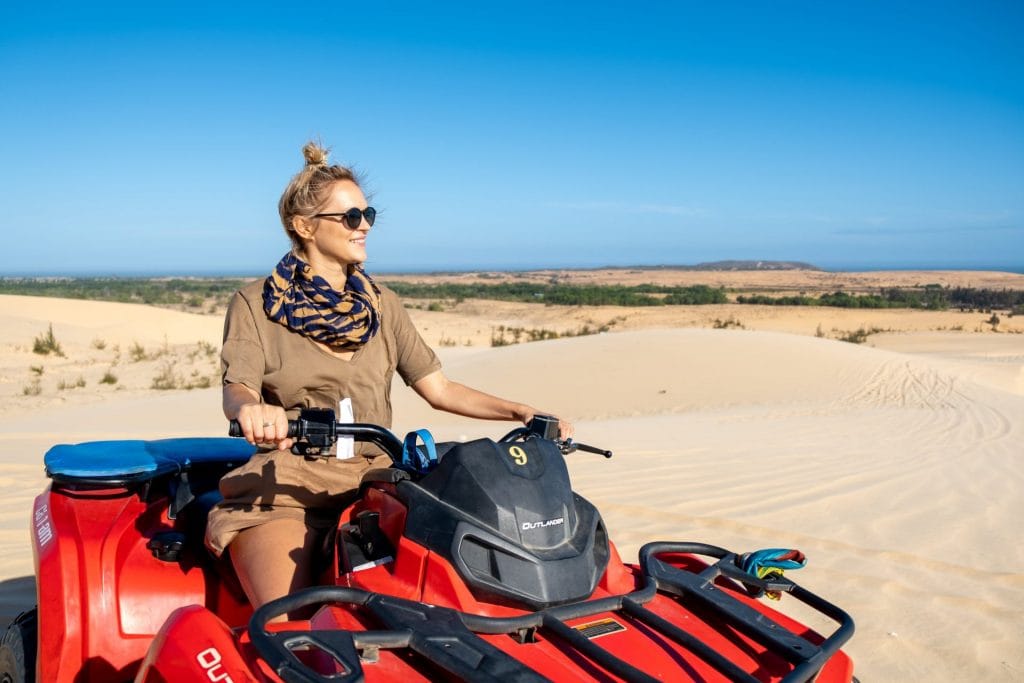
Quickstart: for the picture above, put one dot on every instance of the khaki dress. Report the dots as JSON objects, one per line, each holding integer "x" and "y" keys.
{"x": 292, "y": 371}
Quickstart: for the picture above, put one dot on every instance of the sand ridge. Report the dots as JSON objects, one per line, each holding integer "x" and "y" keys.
{"x": 895, "y": 465}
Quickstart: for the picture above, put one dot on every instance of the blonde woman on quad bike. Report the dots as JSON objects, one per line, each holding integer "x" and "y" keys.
{"x": 317, "y": 333}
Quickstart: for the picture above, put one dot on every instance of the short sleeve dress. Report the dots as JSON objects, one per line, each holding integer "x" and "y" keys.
{"x": 294, "y": 372}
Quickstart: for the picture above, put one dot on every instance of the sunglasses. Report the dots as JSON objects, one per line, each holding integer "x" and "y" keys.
{"x": 352, "y": 218}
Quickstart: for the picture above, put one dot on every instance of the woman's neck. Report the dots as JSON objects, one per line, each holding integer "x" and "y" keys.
{"x": 335, "y": 273}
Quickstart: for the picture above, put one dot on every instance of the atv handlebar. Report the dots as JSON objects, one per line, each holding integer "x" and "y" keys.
{"x": 323, "y": 433}
{"x": 316, "y": 430}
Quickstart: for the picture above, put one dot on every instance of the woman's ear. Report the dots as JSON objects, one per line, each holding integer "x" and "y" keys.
{"x": 303, "y": 227}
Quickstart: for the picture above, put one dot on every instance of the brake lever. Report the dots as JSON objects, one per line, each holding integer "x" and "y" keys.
{"x": 569, "y": 446}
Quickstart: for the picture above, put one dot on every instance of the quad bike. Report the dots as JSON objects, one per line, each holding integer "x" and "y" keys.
{"x": 463, "y": 561}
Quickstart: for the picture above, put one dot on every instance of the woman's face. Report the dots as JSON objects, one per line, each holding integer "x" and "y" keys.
{"x": 330, "y": 236}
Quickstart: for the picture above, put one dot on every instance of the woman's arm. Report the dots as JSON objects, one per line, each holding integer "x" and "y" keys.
{"x": 260, "y": 422}
{"x": 443, "y": 394}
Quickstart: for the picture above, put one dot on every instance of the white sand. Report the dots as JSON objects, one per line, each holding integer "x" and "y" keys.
{"x": 898, "y": 469}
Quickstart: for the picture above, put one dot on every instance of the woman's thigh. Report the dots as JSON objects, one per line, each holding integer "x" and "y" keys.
{"x": 275, "y": 558}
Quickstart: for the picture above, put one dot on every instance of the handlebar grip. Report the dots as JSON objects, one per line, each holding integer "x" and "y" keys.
{"x": 235, "y": 429}
{"x": 592, "y": 449}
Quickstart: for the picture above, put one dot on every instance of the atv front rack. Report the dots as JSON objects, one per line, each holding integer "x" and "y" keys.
{"x": 448, "y": 639}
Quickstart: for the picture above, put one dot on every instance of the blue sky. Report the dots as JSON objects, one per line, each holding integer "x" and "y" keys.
{"x": 158, "y": 138}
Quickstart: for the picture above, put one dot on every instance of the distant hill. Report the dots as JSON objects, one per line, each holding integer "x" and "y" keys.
{"x": 728, "y": 265}
{"x": 755, "y": 265}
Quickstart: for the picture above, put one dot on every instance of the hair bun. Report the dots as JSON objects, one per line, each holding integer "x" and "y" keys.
{"x": 315, "y": 154}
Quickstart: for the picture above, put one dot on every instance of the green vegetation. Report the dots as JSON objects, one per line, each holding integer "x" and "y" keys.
{"x": 45, "y": 344}
{"x": 190, "y": 292}
{"x": 930, "y": 297}
{"x": 138, "y": 353}
{"x": 506, "y": 336}
{"x": 719, "y": 324}
{"x": 197, "y": 293}
{"x": 860, "y": 335}
{"x": 563, "y": 295}
{"x": 203, "y": 348}
{"x": 77, "y": 384}
{"x": 167, "y": 379}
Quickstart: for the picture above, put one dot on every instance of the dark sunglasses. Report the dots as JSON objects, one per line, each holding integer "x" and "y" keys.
{"x": 352, "y": 218}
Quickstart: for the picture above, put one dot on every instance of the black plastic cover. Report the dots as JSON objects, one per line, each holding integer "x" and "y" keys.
{"x": 505, "y": 515}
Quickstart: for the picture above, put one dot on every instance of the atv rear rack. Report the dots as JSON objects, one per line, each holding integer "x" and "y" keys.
{"x": 448, "y": 638}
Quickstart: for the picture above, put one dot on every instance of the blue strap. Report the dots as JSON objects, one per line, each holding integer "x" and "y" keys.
{"x": 759, "y": 562}
{"x": 419, "y": 458}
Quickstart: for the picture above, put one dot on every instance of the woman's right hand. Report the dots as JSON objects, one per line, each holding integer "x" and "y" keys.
{"x": 264, "y": 424}
{"x": 261, "y": 423}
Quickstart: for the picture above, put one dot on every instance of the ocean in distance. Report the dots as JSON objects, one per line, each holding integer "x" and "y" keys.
{"x": 384, "y": 269}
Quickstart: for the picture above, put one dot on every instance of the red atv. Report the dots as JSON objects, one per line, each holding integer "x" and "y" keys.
{"x": 464, "y": 561}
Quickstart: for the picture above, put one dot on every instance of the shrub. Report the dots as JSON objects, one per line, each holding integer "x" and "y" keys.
{"x": 99, "y": 344}
{"x": 860, "y": 335}
{"x": 45, "y": 344}
{"x": 37, "y": 370}
{"x": 200, "y": 383}
{"x": 166, "y": 380}
{"x": 532, "y": 334}
{"x": 208, "y": 349}
{"x": 137, "y": 352}
{"x": 32, "y": 389}
{"x": 719, "y": 324}
{"x": 108, "y": 378}
{"x": 77, "y": 384}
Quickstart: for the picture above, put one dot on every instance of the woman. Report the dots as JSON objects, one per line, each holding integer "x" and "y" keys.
{"x": 315, "y": 332}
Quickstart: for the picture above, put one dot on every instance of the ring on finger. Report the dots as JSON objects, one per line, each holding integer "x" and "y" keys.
{"x": 268, "y": 424}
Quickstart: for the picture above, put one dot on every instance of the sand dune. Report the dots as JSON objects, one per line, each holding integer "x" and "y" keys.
{"x": 898, "y": 470}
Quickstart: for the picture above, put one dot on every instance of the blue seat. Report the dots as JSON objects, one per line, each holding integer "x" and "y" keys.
{"x": 134, "y": 461}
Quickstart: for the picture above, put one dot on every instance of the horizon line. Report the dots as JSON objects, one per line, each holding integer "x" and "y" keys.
{"x": 458, "y": 270}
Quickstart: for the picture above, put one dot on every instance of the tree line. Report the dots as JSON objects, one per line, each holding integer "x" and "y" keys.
{"x": 194, "y": 291}
{"x": 930, "y": 297}
{"x": 564, "y": 294}
{"x": 186, "y": 291}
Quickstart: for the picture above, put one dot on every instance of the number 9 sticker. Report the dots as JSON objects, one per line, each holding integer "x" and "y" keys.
{"x": 518, "y": 454}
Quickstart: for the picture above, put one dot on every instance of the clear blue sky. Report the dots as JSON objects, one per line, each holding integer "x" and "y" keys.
{"x": 157, "y": 137}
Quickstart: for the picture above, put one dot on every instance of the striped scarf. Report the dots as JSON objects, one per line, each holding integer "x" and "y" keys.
{"x": 305, "y": 303}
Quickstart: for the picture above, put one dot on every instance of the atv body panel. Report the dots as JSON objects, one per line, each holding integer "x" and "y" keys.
{"x": 103, "y": 593}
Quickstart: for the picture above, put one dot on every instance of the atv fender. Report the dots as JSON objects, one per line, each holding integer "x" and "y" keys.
{"x": 195, "y": 645}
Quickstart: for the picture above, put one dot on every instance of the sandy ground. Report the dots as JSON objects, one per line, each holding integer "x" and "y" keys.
{"x": 897, "y": 465}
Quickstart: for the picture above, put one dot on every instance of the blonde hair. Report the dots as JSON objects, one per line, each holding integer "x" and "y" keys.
{"x": 309, "y": 188}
